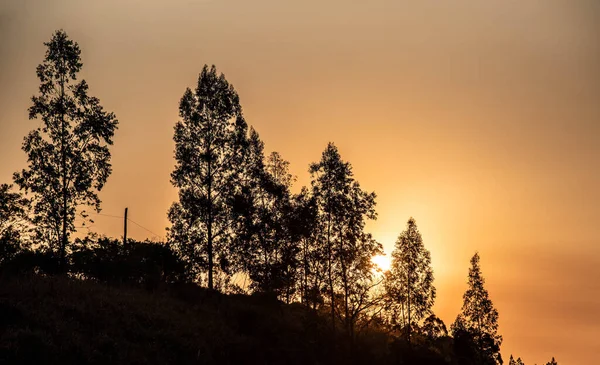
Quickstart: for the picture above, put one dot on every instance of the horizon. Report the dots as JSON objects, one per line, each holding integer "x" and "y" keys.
{"x": 481, "y": 121}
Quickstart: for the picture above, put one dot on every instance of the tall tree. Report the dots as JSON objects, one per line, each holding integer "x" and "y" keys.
{"x": 478, "y": 318}
{"x": 68, "y": 155}
{"x": 330, "y": 177}
{"x": 304, "y": 229}
{"x": 552, "y": 362}
{"x": 210, "y": 142}
{"x": 279, "y": 180}
{"x": 353, "y": 255}
{"x": 263, "y": 210}
{"x": 342, "y": 209}
{"x": 409, "y": 283}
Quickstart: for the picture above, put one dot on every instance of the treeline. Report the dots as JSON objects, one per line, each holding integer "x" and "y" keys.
{"x": 236, "y": 227}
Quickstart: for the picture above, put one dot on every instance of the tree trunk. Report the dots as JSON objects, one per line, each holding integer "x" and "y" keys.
{"x": 329, "y": 272}
{"x": 63, "y": 243}
{"x": 305, "y": 274}
{"x": 346, "y": 290}
{"x": 210, "y": 222}
{"x": 408, "y": 303}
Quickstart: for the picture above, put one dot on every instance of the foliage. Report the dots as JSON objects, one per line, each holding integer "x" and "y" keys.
{"x": 210, "y": 140}
{"x": 263, "y": 233}
{"x": 13, "y": 221}
{"x": 68, "y": 155}
{"x": 147, "y": 264}
{"x": 40, "y": 261}
{"x": 342, "y": 209}
{"x": 434, "y": 328}
{"x": 478, "y": 321}
{"x": 303, "y": 227}
{"x": 409, "y": 286}
{"x": 512, "y": 361}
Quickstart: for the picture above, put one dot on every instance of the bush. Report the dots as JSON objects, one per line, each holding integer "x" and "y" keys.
{"x": 147, "y": 264}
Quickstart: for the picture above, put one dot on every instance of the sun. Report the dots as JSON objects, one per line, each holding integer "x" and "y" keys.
{"x": 382, "y": 261}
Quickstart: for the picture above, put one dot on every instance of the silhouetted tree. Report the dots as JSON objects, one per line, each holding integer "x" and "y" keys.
{"x": 512, "y": 361}
{"x": 263, "y": 212}
{"x": 288, "y": 247}
{"x": 478, "y": 321}
{"x": 353, "y": 255}
{"x": 552, "y": 362}
{"x": 329, "y": 178}
{"x": 311, "y": 264}
{"x": 434, "y": 328}
{"x": 210, "y": 142}
{"x": 13, "y": 219}
{"x": 342, "y": 208}
{"x": 147, "y": 264}
{"x": 68, "y": 155}
{"x": 279, "y": 170}
{"x": 409, "y": 283}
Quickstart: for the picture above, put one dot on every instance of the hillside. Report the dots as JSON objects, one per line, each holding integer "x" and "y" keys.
{"x": 57, "y": 320}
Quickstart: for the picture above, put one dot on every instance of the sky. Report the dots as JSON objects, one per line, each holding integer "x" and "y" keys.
{"x": 480, "y": 119}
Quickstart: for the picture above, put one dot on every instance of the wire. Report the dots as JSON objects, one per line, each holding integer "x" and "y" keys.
{"x": 130, "y": 220}
{"x": 106, "y": 215}
{"x": 144, "y": 228}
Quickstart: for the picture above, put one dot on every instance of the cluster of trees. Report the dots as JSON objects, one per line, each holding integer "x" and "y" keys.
{"x": 236, "y": 214}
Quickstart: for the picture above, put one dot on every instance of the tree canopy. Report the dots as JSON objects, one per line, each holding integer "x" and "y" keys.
{"x": 409, "y": 283}
{"x": 478, "y": 320}
{"x": 210, "y": 141}
{"x": 68, "y": 155}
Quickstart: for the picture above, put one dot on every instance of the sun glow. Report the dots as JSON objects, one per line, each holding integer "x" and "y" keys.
{"x": 382, "y": 261}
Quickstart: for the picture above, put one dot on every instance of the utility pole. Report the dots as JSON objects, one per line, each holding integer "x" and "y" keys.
{"x": 125, "y": 228}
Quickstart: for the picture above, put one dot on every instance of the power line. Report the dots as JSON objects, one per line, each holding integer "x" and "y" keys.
{"x": 144, "y": 228}
{"x": 130, "y": 220}
{"x": 107, "y": 215}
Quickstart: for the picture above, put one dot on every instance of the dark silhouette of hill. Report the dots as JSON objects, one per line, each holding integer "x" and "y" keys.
{"x": 60, "y": 320}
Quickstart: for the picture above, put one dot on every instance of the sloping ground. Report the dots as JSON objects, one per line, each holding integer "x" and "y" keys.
{"x": 57, "y": 320}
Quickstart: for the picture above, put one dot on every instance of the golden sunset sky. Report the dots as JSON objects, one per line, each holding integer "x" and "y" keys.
{"x": 481, "y": 119}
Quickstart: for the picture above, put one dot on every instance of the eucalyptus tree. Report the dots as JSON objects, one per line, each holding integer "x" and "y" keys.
{"x": 304, "y": 230}
{"x": 68, "y": 154}
{"x": 342, "y": 210}
{"x": 262, "y": 224}
{"x": 409, "y": 283}
{"x": 210, "y": 144}
{"x": 478, "y": 320}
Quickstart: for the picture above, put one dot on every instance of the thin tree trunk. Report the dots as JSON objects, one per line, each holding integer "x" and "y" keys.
{"x": 305, "y": 274}
{"x": 329, "y": 258}
{"x": 210, "y": 222}
{"x": 345, "y": 282}
{"x": 408, "y": 305}
{"x": 63, "y": 244}
{"x": 329, "y": 271}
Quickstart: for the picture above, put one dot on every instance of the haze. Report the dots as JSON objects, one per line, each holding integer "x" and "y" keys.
{"x": 481, "y": 119}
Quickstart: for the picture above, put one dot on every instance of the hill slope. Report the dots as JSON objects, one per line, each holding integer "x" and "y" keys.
{"x": 57, "y": 320}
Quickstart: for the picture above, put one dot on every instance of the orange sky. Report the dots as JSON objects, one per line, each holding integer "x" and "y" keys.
{"x": 481, "y": 119}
